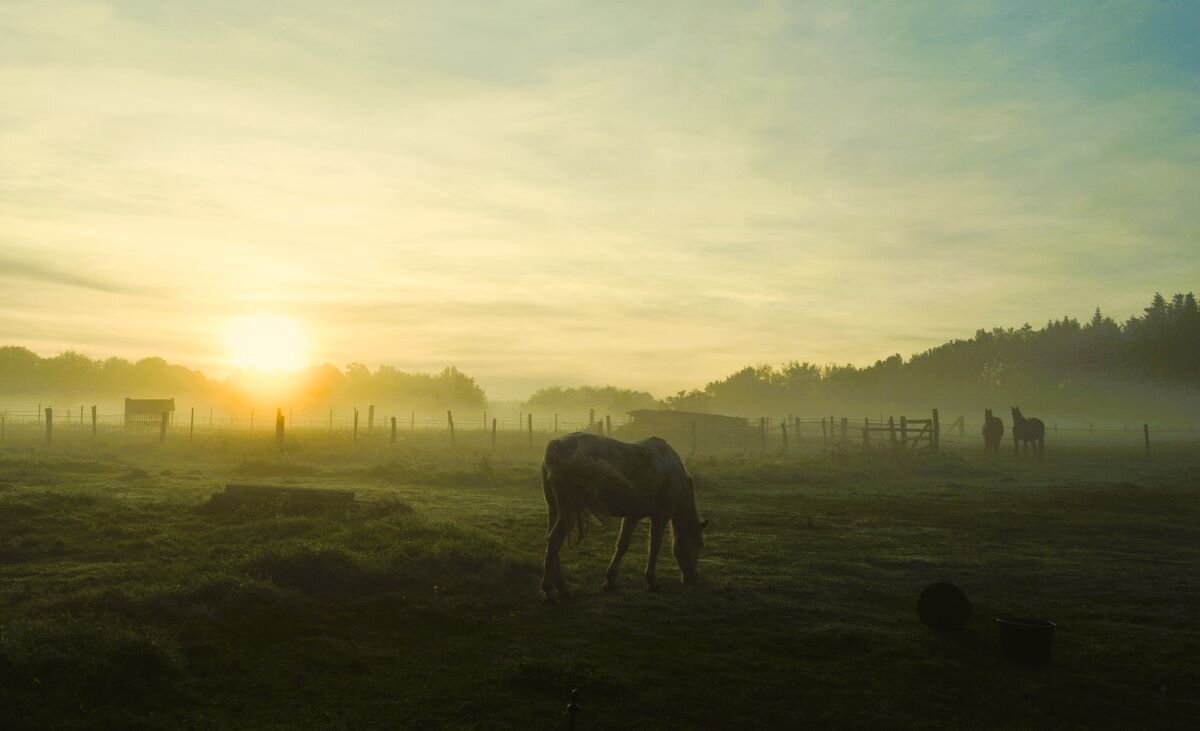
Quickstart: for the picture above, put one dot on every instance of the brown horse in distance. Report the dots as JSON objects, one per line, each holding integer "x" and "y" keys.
{"x": 1028, "y": 431}
{"x": 588, "y": 474}
{"x": 993, "y": 433}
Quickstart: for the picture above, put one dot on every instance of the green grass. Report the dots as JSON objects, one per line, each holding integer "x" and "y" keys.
{"x": 126, "y": 601}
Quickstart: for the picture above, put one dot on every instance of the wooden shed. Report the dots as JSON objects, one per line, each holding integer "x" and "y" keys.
{"x": 147, "y": 411}
{"x": 688, "y": 430}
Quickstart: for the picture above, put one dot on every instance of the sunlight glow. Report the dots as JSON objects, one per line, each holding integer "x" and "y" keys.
{"x": 267, "y": 343}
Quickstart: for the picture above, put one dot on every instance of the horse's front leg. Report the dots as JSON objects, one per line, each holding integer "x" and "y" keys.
{"x": 658, "y": 527}
{"x": 628, "y": 526}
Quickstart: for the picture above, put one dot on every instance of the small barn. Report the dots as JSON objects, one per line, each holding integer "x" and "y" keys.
{"x": 688, "y": 430}
{"x": 147, "y": 411}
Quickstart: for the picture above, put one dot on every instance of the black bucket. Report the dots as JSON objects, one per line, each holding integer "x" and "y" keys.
{"x": 1026, "y": 641}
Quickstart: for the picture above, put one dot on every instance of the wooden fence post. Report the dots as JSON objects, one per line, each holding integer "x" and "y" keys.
{"x": 935, "y": 439}
{"x": 845, "y": 433}
{"x": 824, "y": 433}
{"x": 279, "y": 427}
{"x": 371, "y": 418}
{"x": 493, "y": 434}
{"x": 356, "y": 423}
{"x": 796, "y": 428}
{"x": 866, "y": 432}
{"x": 904, "y": 432}
{"x": 892, "y": 430}
{"x": 762, "y": 430}
{"x": 608, "y": 424}
{"x": 1146, "y": 433}
{"x": 591, "y": 420}
{"x": 783, "y": 431}
{"x": 49, "y": 423}
{"x": 393, "y": 430}
{"x": 191, "y": 423}
{"x": 530, "y": 417}
{"x": 162, "y": 427}
{"x": 450, "y": 421}
{"x": 962, "y": 426}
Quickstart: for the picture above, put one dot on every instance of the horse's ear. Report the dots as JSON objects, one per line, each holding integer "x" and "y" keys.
{"x": 704, "y": 524}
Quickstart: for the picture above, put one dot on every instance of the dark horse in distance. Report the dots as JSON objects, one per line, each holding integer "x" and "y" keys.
{"x": 1028, "y": 430}
{"x": 588, "y": 474}
{"x": 993, "y": 433}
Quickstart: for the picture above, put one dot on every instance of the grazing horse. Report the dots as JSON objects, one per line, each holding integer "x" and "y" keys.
{"x": 588, "y": 474}
{"x": 1028, "y": 430}
{"x": 993, "y": 433}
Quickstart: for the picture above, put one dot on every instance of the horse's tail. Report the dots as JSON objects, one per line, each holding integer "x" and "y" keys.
{"x": 580, "y": 486}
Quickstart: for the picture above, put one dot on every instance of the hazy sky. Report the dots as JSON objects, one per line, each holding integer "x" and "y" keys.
{"x": 643, "y": 194}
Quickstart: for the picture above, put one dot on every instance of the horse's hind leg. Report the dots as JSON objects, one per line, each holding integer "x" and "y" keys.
{"x": 552, "y": 577}
{"x": 551, "y": 569}
{"x": 628, "y": 526}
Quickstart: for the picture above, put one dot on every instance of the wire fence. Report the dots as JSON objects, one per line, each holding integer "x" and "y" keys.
{"x": 691, "y": 433}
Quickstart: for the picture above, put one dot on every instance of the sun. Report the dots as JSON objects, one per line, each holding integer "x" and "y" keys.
{"x": 267, "y": 343}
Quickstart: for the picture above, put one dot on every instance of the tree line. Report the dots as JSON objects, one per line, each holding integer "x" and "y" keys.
{"x": 73, "y": 376}
{"x": 1148, "y": 364}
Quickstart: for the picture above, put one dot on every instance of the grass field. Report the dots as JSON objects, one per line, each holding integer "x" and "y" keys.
{"x": 127, "y": 601}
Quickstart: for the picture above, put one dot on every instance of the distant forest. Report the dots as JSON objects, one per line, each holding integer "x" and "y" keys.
{"x": 74, "y": 376}
{"x": 1148, "y": 364}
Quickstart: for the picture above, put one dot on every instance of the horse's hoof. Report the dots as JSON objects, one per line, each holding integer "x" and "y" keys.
{"x": 608, "y": 585}
{"x": 547, "y": 597}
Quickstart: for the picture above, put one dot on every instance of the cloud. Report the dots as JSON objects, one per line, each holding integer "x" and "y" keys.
{"x": 12, "y": 267}
{"x": 664, "y": 192}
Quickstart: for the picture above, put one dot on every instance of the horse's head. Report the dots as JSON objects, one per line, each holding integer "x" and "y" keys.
{"x": 689, "y": 540}
{"x": 987, "y": 414}
{"x": 1016, "y": 412}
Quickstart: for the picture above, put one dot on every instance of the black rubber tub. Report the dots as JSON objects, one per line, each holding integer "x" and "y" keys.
{"x": 1026, "y": 641}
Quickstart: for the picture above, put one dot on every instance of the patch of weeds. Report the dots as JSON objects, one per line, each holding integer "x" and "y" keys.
{"x": 453, "y": 558}
{"x": 308, "y": 566}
